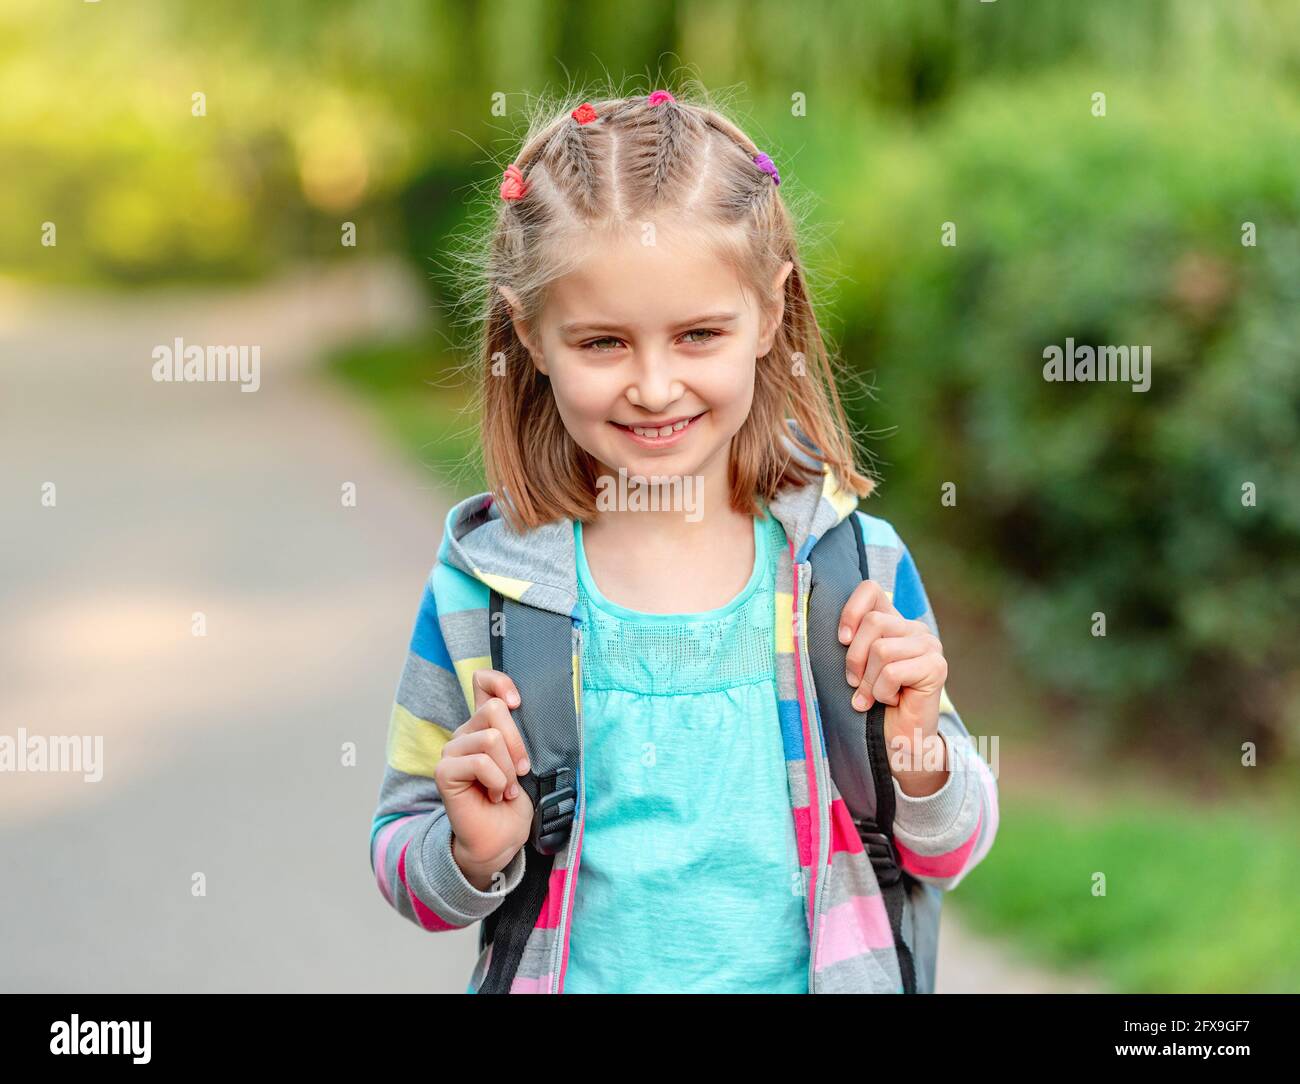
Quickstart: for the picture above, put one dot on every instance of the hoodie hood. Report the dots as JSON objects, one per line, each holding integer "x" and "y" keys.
{"x": 539, "y": 567}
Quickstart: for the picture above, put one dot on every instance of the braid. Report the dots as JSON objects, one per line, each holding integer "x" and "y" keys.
{"x": 575, "y": 170}
{"x": 668, "y": 146}
{"x": 721, "y": 124}
{"x": 540, "y": 144}
{"x": 757, "y": 193}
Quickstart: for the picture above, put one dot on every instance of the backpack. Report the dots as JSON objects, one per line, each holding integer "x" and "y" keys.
{"x": 536, "y": 651}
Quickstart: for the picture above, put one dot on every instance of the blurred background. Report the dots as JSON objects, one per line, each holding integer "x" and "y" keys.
{"x": 183, "y": 574}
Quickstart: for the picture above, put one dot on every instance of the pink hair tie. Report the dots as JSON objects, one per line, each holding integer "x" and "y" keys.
{"x": 765, "y": 164}
{"x": 513, "y": 185}
{"x": 584, "y": 114}
{"x": 661, "y": 96}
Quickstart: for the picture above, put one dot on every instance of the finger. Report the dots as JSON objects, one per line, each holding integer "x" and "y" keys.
{"x": 874, "y": 625}
{"x": 476, "y": 768}
{"x": 491, "y": 742}
{"x": 490, "y": 683}
{"x": 496, "y": 716}
{"x": 889, "y": 649}
{"x": 907, "y": 673}
{"x": 867, "y": 596}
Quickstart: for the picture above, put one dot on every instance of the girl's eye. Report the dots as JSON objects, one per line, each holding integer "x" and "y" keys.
{"x": 703, "y": 331}
{"x": 592, "y": 345}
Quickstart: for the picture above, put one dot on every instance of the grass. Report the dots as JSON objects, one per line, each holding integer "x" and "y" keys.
{"x": 1196, "y": 899}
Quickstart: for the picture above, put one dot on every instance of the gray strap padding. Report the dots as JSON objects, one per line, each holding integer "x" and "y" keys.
{"x": 835, "y": 575}
{"x": 537, "y": 654}
{"x": 534, "y": 647}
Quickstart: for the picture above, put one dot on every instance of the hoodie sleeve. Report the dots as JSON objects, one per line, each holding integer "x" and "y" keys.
{"x": 410, "y": 834}
{"x": 943, "y": 836}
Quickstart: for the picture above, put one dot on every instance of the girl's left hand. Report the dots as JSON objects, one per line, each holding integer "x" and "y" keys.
{"x": 899, "y": 663}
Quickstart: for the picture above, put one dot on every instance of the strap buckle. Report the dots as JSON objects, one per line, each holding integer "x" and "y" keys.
{"x": 553, "y": 816}
{"x": 882, "y": 852}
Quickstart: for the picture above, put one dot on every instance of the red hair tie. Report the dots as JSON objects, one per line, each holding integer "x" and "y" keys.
{"x": 584, "y": 114}
{"x": 661, "y": 96}
{"x": 513, "y": 185}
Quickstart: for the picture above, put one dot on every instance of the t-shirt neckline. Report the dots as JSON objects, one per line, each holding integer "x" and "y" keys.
{"x": 609, "y": 606}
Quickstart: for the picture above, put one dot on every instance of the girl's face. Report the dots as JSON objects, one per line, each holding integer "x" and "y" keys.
{"x": 651, "y": 352}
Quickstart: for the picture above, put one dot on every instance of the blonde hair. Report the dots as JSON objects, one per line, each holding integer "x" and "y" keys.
{"x": 677, "y": 156}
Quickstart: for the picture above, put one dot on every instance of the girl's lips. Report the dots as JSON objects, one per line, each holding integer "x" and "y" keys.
{"x": 659, "y": 442}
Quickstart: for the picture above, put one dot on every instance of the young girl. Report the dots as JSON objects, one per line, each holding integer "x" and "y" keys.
{"x": 648, "y": 320}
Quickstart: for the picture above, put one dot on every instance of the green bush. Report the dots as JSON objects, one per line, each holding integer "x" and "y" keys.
{"x": 1074, "y": 498}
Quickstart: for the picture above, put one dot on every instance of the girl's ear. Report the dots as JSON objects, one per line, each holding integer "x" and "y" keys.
{"x": 778, "y": 314}
{"x": 521, "y": 327}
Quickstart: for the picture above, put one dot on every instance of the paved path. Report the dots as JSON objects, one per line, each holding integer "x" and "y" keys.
{"x": 222, "y": 753}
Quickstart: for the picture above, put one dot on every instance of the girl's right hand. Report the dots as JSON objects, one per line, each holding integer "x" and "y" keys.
{"x": 490, "y": 814}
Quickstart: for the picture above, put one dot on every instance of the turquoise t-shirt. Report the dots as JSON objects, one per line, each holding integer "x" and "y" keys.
{"x": 689, "y": 877}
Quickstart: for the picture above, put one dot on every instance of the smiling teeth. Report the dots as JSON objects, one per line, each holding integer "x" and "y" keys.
{"x": 667, "y": 430}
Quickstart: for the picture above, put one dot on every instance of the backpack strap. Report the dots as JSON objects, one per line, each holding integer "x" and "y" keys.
{"x": 535, "y": 647}
{"x": 855, "y": 745}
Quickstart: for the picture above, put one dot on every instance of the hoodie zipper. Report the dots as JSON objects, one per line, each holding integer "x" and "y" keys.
{"x": 561, "y": 941}
{"x": 819, "y": 772}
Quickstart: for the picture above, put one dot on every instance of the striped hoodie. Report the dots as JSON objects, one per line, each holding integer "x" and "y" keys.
{"x": 940, "y": 837}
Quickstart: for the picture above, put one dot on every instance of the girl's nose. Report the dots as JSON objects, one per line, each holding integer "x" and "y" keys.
{"x": 654, "y": 387}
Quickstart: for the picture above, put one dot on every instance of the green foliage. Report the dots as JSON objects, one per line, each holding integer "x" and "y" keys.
{"x": 1075, "y": 498}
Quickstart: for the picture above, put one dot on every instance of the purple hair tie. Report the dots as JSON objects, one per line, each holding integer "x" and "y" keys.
{"x": 765, "y": 164}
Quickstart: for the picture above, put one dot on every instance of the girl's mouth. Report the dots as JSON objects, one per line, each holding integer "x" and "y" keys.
{"x": 654, "y": 437}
